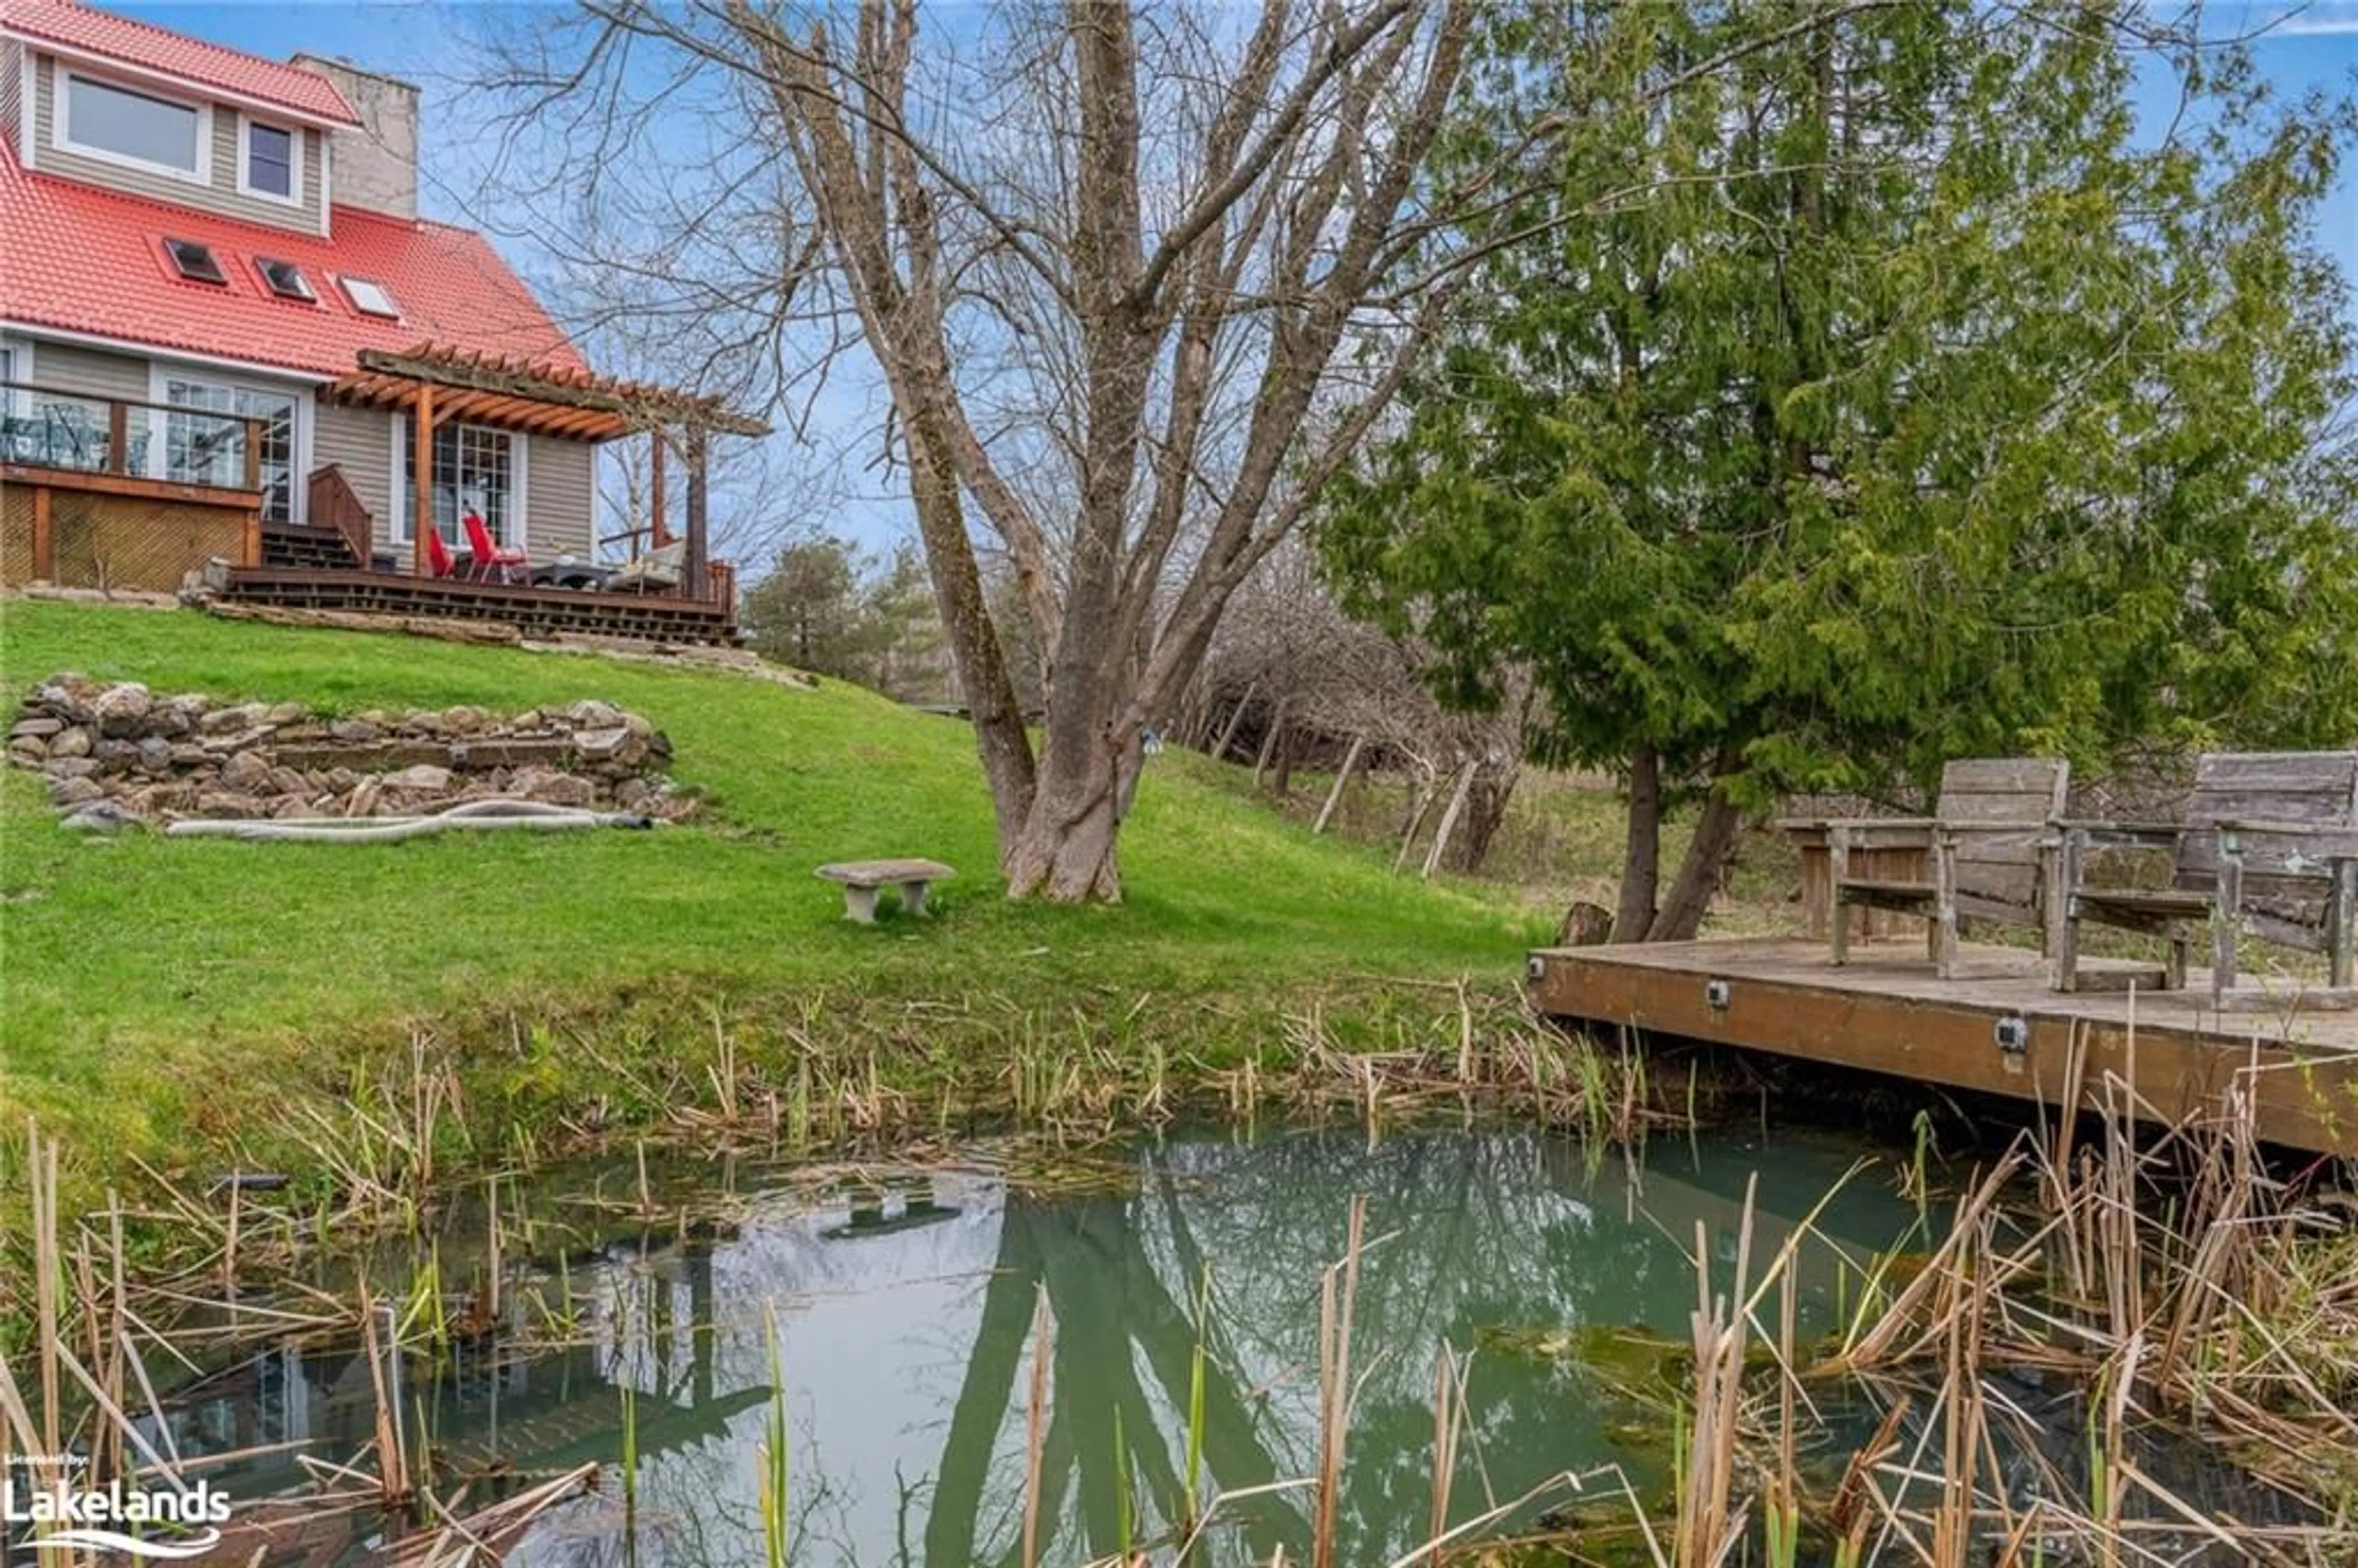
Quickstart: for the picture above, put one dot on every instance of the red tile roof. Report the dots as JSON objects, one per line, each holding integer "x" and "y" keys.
{"x": 78, "y": 27}
{"x": 83, "y": 259}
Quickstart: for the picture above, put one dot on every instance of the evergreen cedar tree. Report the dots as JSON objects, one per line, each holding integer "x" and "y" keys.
{"x": 1888, "y": 397}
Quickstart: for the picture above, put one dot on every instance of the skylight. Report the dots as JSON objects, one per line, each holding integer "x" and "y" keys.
{"x": 370, "y": 298}
{"x": 285, "y": 278}
{"x": 195, "y": 262}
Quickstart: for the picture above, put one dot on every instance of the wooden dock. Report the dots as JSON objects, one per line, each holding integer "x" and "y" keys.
{"x": 1995, "y": 1027}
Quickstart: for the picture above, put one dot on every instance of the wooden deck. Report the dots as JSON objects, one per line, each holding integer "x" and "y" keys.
{"x": 1887, "y": 1012}
{"x": 659, "y": 617}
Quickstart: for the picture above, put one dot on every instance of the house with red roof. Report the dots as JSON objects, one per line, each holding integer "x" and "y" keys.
{"x": 227, "y": 339}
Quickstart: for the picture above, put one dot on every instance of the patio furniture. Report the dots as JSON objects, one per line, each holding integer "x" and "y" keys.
{"x": 584, "y": 576}
{"x": 2268, "y": 848}
{"x": 492, "y": 561}
{"x": 1982, "y": 853}
{"x": 655, "y": 570}
{"x": 860, "y": 879}
{"x": 437, "y": 554}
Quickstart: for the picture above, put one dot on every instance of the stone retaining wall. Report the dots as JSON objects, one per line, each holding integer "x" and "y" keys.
{"x": 156, "y": 759}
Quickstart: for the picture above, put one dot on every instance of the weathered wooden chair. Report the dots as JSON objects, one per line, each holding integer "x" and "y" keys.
{"x": 2268, "y": 847}
{"x": 1981, "y": 853}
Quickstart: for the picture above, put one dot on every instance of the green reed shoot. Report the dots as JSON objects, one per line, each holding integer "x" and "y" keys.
{"x": 1919, "y": 1179}
{"x": 1195, "y": 1384}
{"x": 774, "y": 1458}
{"x": 1780, "y": 1524}
{"x": 630, "y": 1475}
{"x": 1124, "y": 1504}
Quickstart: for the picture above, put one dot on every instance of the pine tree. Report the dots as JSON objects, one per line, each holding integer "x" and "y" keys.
{"x": 1882, "y": 399}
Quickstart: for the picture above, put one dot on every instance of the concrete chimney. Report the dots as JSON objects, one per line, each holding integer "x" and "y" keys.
{"x": 374, "y": 163}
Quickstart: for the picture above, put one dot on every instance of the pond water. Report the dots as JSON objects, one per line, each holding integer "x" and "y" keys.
{"x": 904, "y": 1317}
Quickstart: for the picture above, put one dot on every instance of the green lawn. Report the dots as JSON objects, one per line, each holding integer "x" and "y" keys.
{"x": 162, "y": 996}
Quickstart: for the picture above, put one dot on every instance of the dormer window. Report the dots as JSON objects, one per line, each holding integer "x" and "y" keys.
{"x": 370, "y": 298}
{"x": 285, "y": 278}
{"x": 268, "y": 163}
{"x": 195, "y": 262}
{"x": 115, "y": 125}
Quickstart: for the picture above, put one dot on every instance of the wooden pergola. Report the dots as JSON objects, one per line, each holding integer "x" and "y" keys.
{"x": 435, "y": 384}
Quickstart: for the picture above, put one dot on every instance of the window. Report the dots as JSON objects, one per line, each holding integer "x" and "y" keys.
{"x": 475, "y": 470}
{"x": 371, "y": 299}
{"x": 285, "y": 278}
{"x": 123, "y": 126}
{"x": 269, "y": 167}
{"x": 16, "y": 365}
{"x": 195, "y": 262}
{"x": 202, "y": 451}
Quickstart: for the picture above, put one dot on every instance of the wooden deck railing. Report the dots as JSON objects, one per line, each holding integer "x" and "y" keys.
{"x": 331, "y": 504}
{"x": 49, "y": 428}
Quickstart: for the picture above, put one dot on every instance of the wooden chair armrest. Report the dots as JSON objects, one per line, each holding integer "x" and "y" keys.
{"x": 1885, "y": 833}
{"x": 2321, "y": 842}
{"x": 2098, "y": 833}
{"x": 2321, "y": 830}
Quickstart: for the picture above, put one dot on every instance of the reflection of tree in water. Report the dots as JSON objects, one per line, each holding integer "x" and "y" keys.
{"x": 906, "y": 1328}
{"x": 1471, "y": 1231}
{"x": 1475, "y": 1230}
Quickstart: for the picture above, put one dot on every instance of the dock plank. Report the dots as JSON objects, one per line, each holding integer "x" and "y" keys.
{"x": 1886, "y": 1012}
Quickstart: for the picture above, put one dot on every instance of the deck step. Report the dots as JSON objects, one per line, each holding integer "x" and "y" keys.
{"x": 306, "y": 549}
{"x": 536, "y": 611}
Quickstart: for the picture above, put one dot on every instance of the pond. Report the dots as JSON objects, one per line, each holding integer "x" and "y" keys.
{"x": 904, "y": 1316}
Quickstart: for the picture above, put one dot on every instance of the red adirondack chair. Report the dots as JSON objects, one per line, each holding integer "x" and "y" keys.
{"x": 492, "y": 562}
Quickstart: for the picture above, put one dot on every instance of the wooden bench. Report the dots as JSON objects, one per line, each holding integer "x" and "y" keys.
{"x": 1982, "y": 853}
{"x": 861, "y": 879}
{"x": 2268, "y": 847}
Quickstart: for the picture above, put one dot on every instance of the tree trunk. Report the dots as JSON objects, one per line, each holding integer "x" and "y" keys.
{"x": 1066, "y": 850}
{"x": 1422, "y": 789}
{"x": 1236, "y": 717}
{"x": 1000, "y": 733}
{"x": 1486, "y": 812}
{"x": 1699, "y": 874}
{"x": 1457, "y": 808}
{"x": 1269, "y": 744}
{"x": 1282, "y": 786}
{"x": 1342, "y": 778}
{"x": 1641, "y": 857}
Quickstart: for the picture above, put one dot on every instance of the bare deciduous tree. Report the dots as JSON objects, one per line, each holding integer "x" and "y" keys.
{"x": 1289, "y": 656}
{"x": 1122, "y": 271}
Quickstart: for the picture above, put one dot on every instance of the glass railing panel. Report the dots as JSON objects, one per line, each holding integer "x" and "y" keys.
{"x": 44, "y": 427}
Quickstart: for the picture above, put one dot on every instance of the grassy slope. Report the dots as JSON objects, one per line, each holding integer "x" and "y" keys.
{"x": 159, "y": 992}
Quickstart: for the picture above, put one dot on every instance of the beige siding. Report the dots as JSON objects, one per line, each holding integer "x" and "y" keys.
{"x": 561, "y": 499}
{"x": 358, "y": 441}
{"x": 221, "y": 195}
{"x": 560, "y": 478}
{"x": 11, "y": 93}
{"x": 89, "y": 373}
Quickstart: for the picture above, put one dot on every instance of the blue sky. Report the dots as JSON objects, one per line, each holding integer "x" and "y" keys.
{"x": 2312, "y": 45}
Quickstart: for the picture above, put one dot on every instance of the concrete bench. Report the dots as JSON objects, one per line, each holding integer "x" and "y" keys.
{"x": 860, "y": 879}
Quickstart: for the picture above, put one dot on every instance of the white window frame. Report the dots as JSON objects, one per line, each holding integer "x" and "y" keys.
{"x": 61, "y": 125}
{"x": 247, "y": 124}
{"x": 270, "y": 291}
{"x": 162, "y": 372}
{"x": 402, "y": 530}
{"x": 345, "y": 281}
{"x": 13, "y": 402}
{"x": 28, "y": 86}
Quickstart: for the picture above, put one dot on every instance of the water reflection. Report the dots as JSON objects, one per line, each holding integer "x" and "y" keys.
{"x": 906, "y": 1319}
